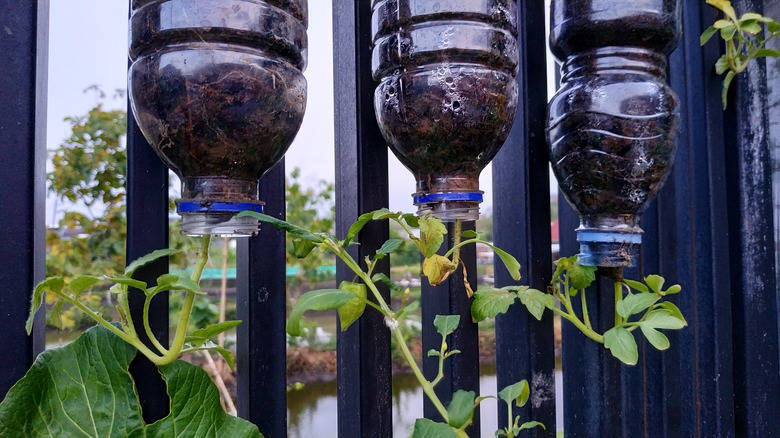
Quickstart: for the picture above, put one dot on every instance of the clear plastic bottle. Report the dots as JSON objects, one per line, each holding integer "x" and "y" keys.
{"x": 218, "y": 91}
{"x": 447, "y": 93}
{"x": 612, "y": 126}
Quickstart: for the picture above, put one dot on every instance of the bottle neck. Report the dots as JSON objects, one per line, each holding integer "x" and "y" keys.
{"x": 615, "y": 60}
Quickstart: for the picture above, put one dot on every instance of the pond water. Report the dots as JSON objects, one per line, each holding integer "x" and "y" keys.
{"x": 311, "y": 411}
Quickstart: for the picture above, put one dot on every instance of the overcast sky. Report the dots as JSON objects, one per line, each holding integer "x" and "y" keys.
{"x": 88, "y": 46}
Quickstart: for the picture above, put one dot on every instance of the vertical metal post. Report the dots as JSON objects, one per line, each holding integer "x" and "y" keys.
{"x": 521, "y": 215}
{"x": 24, "y": 27}
{"x": 753, "y": 281}
{"x": 364, "y": 371}
{"x": 261, "y": 304}
{"x": 147, "y": 231}
{"x": 461, "y": 371}
{"x": 699, "y": 401}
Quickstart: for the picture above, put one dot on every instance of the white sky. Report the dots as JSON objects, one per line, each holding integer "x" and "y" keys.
{"x": 88, "y": 46}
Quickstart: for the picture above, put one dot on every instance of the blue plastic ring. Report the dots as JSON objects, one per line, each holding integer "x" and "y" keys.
{"x": 604, "y": 237}
{"x": 447, "y": 197}
{"x": 217, "y": 207}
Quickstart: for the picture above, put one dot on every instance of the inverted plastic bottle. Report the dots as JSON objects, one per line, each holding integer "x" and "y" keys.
{"x": 447, "y": 95}
{"x": 612, "y": 126}
{"x": 218, "y": 91}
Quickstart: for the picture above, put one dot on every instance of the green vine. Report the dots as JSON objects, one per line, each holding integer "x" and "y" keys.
{"x": 745, "y": 40}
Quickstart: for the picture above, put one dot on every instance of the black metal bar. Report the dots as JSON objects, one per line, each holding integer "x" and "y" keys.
{"x": 521, "y": 215}
{"x": 701, "y": 403}
{"x": 753, "y": 281}
{"x": 461, "y": 371}
{"x": 23, "y": 90}
{"x": 261, "y": 304}
{"x": 147, "y": 230}
{"x": 364, "y": 371}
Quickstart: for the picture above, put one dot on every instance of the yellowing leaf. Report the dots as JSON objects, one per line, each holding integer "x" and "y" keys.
{"x": 437, "y": 268}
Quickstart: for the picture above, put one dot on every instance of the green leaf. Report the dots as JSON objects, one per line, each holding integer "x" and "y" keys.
{"x": 354, "y": 230}
{"x": 636, "y": 303}
{"x": 152, "y": 256}
{"x": 750, "y": 26}
{"x": 726, "y": 83}
{"x": 354, "y": 308}
{"x": 382, "y": 278}
{"x": 531, "y": 425}
{"x": 195, "y": 407}
{"x": 470, "y": 234}
{"x": 411, "y": 220}
{"x": 773, "y": 27}
{"x": 763, "y": 53}
{"x": 81, "y": 389}
{"x": 292, "y": 230}
{"x": 433, "y": 353}
{"x": 672, "y": 309}
{"x": 581, "y": 276}
{"x": 536, "y": 301}
{"x": 663, "y": 319}
{"x": 129, "y": 282}
{"x": 432, "y": 233}
{"x": 655, "y": 282}
{"x": 675, "y": 289}
{"x": 437, "y": 268}
{"x": 517, "y": 393}
{"x": 383, "y": 214}
{"x": 302, "y": 247}
{"x": 200, "y": 336}
{"x": 728, "y": 32}
{"x": 54, "y": 284}
{"x": 461, "y": 408}
{"x": 446, "y": 324}
{"x": 636, "y": 285}
{"x": 620, "y": 342}
{"x": 707, "y": 34}
{"x": 490, "y": 303}
{"x": 510, "y": 263}
{"x": 656, "y": 338}
{"x": 325, "y": 299}
{"x": 230, "y": 359}
{"x": 390, "y": 246}
{"x": 722, "y": 65}
{"x": 81, "y": 284}
{"x": 168, "y": 282}
{"x": 55, "y": 318}
{"x": 425, "y": 428}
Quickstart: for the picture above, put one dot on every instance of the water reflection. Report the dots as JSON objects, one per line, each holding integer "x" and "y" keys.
{"x": 312, "y": 410}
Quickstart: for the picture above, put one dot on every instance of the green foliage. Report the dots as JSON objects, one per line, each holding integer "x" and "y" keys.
{"x": 325, "y": 299}
{"x": 90, "y": 169}
{"x": 488, "y": 303}
{"x": 85, "y": 389}
{"x": 745, "y": 38}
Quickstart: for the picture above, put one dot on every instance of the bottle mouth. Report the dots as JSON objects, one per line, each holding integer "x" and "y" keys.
{"x": 200, "y": 218}
{"x": 608, "y": 249}
{"x": 449, "y": 207}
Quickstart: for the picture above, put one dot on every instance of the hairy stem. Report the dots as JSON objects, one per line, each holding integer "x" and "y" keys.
{"x": 455, "y": 241}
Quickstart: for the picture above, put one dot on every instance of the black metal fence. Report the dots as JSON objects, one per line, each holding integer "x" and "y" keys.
{"x": 710, "y": 230}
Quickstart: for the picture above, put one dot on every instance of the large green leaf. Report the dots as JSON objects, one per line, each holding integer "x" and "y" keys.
{"x": 195, "y": 408}
{"x": 620, "y": 342}
{"x": 424, "y": 428}
{"x": 518, "y": 393}
{"x": 461, "y": 408}
{"x": 326, "y": 299}
{"x": 636, "y": 303}
{"x": 490, "y": 303}
{"x": 354, "y": 308}
{"x": 85, "y": 390}
{"x": 148, "y": 258}
{"x": 446, "y": 324}
{"x": 82, "y": 389}
{"x": 536, "y": 301}
{"x": 510, "y": 262}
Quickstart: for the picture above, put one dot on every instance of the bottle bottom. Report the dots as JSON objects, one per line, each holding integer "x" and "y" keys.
{"x": 608, "y": 249}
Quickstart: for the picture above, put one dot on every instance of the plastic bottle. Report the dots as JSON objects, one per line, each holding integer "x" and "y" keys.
{"x": 218, "y": 91}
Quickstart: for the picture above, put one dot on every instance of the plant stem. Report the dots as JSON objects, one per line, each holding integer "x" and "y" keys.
{"x": 585, "y": 315}
{"x": 455, "y": 241}
{"x": 189, "y": 299}
{"x": 618, "y": 299}
{"x": 148, "y": 328}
